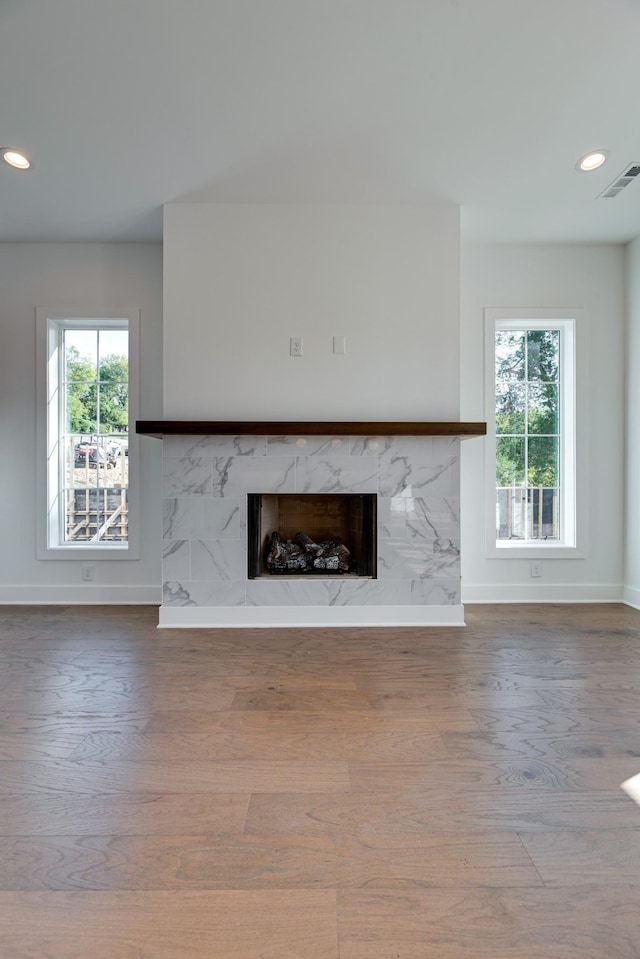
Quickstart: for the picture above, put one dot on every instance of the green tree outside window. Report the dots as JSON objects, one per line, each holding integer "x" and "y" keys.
{"x": 97, "y": 398}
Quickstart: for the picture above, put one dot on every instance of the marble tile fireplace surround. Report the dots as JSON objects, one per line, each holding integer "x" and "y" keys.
{"x": 208, "y": 475}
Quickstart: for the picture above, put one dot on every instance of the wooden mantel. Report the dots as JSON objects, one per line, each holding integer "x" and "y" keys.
{"x": 160, "y": 428}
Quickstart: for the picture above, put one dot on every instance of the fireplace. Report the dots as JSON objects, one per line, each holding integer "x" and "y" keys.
{"x": 321, "y": 534}
{"x": 408, "y": 573}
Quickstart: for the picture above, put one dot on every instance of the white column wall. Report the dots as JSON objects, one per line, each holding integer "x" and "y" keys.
{"x": 548, "y": 276}
{"x": 241, "y": 280}
{"x": 73, "y": 276}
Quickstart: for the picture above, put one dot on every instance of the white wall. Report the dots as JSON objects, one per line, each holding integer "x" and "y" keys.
{"x": 82, "y": 277}
{"x": 240, "y": 280}
{"x": 547, "y": 277}
{"x": 632, "y": 371}
{"x": 387, "y": 279}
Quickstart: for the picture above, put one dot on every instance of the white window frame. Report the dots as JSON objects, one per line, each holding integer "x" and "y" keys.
{"x": 573, "y": 397}
{"x": 49, "y": 327}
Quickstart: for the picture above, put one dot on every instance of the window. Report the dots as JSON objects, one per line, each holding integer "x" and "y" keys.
{"x": 531, "y": 467}
{"x": 86, "y": 407}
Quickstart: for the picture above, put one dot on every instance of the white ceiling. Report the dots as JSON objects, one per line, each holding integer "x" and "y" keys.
{"x": 124, "y": 105}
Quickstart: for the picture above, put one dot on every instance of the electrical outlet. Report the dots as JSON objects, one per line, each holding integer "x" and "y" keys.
{"x": 536, "y": 570}
{"x": 295, "y": 346}
{"x": 88, "y": 573}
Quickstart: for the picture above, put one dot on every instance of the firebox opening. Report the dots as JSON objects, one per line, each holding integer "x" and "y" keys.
{"x": 325, "y": 519}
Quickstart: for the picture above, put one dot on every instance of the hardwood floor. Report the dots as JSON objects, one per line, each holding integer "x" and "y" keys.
{"x": 317, "y": 793}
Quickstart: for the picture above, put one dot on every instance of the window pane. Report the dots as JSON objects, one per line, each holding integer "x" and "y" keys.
{"x": 96, "y": 477}
{"x": 511, "y": 398}
{"x": 543, "y": 457}
{"x": 544, "y": 513}
{"x": 81, "y": 355}
{"x": 81, "y": 408}
{"x": 114, "y": 515}
{"x": 510, "y": 354}
{"x": 87, "y": 456}
{"x": 511, "y": 512}
{"x": 119, "y": 460}
{"x": 510, "y": 461}
{"x": 530, "y": 489}
{"x": 96, "y": 515}
{"x": 543, "y": 352}
{"x": 113, "y": 406}
{"x": 113, "y": 343}
{"x": 93, "y": 497}
{"x": 543, "y": 400}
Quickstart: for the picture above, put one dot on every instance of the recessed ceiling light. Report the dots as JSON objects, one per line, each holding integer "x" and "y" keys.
{"x": 15, "y": 159}
{"x": 591, "y": 161}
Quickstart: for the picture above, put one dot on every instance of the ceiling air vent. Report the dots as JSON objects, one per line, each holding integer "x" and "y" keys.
{"x": 624, "y": 179}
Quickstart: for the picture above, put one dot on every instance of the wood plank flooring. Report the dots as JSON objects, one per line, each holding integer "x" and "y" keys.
{"x": 316, "y": 793}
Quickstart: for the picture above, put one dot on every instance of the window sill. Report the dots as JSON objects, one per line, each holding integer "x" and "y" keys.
{"x": 82, "y": 553}
{"x": 531, "y": 551}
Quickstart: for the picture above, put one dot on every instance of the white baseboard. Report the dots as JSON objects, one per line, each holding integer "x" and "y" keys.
{"x": 92, "y": 595}
{"x": 542, "y": 593}
{"x": 85, "y": 595}
{"x": 256, "y": 617}
{"x": 631, "y": 596}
